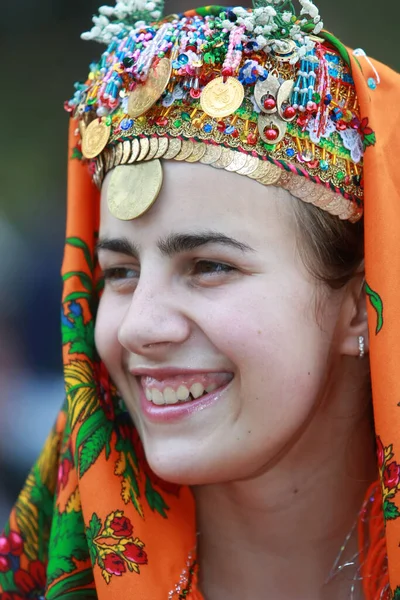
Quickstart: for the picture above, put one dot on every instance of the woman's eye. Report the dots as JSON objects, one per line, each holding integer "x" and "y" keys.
{"x": 207, "y": 267}
{"x": 119, "y": 275}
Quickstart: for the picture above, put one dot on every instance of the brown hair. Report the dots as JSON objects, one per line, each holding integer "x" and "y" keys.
{"x": 331, "y": 249}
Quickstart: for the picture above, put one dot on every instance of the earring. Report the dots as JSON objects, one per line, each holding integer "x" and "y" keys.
{"x": 361, "y": 346}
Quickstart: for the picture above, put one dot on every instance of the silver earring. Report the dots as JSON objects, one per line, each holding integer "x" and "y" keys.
{"x": 361, "y": 346}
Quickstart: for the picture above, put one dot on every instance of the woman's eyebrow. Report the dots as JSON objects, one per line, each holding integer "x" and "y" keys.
{"x": 119, "y": 246}
{"x": 173, "y": 244}
{"x": 184, "y": 242}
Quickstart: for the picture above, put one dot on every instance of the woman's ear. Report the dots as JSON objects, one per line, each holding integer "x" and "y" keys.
{"x": 354, "y": 315}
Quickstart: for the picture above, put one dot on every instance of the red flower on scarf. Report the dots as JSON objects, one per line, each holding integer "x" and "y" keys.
{"x": 33, "y": 580}
{"x": 5, "y": 546}
{"x": 135, "y": 553}
{"x": 380, "y": 450}
{"x": 12, "y": 544}
{"x": 113, "y": 564}
{"x": 364, "y": 128}
{"x": 367, "y": 134}
{"x": 4, "y": 564}
{"x": 391, "y": 475}
{"x": 63, "y": 472}
{"x": 103, "y": 386}
{"x": 121, "y": 526}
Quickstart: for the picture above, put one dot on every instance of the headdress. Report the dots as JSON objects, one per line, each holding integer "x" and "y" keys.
{"x": 93, "y": 521}
{"x": 251, "y": 91}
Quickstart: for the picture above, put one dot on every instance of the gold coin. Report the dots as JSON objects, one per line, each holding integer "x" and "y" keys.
{"x": 199, "y": 150}
{"x": 262, "y": 171}
{"x": 118, "y": 154}
{"x": 211, "y": 155}
{"x": 224, "y": 160}
{"x": 95, "y": 138}
{"x": 186, "y": 150}
{"x": 238, "y": 162}
{"x": 153, "y": 149}
{"x": 145, "y": 95}
{"x": 272, "y": 177}
{"x": 126, "y": 152}
{"x": 108, "y": 155}
{"x": 144, "y": 144}
{"x": 220, "y": 99}
{"x": 135, "y": 149}
{"x": 162, "y": 147}
{"x": 174, "y": 147}
{"x": 133, "y": 189}
{"x": 250, "y": 166}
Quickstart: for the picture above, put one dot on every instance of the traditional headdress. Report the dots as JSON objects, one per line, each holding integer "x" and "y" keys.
{"x": 254, "y": 92}
{"x": 264, "y": 93}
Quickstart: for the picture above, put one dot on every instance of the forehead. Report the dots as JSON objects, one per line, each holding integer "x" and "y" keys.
{"x": 199, "y": 196}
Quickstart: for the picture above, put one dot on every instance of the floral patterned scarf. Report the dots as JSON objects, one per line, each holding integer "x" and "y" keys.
{"x": 92, "y": 520}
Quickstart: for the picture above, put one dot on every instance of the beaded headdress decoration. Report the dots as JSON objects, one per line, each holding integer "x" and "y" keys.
{"x": 264, "y": 93}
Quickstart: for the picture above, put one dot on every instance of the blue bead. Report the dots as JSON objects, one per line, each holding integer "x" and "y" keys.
{"x": 290, "y": 152}
{"x": 126, "y": 124}
{"x": 207, "y": 128}
{"x": 372, "y": 83}
{"x": 324, "y": 165}
{"x": 183, "y": 59}
{"x": 230, "y": 129}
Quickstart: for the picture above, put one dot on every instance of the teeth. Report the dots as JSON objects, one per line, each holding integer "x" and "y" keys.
{"x": 170, "y": 396}
{"x": 211, "y": 387}
{"x": 157, "y": 397}
{"x": 197, "y": 390}
{"x": 182, "y": 392}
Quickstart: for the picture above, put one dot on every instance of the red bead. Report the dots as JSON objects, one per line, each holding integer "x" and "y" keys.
{"x": 289, "y": 112}
{"x": 302, "y": 121}
{"x": 269, "y": 103}
{"x": 252, "y": 139}
{"x": 341, "y": 126}
{"x": 221, "y": 126}
{"x": 271, "y": 134}
{"x": 235, "y": 134}
{"x": 162, "y": 121}
{"x": 67, "y": 107}
{"x": 227, "y": 72}
{"x": 313, "y": 164}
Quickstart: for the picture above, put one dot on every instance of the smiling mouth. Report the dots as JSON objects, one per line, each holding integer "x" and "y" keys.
{"x": 183, "y": 389}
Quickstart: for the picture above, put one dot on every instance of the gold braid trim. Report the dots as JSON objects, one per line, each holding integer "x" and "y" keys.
{"x": 266, "y": 173}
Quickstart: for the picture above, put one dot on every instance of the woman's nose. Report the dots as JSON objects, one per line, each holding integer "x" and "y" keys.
{"x": 154, "y": 317}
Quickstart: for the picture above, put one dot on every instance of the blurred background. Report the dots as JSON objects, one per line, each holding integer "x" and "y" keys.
{"x": 42, "y": 56}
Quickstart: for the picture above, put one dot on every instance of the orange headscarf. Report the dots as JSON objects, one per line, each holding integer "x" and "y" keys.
{"x": 93, "y": 521}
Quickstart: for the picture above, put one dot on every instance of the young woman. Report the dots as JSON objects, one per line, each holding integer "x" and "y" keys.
{"x": 218, "y": 439}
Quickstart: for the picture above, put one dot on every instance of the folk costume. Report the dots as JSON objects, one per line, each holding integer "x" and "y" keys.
{"x": 265, "y": 93}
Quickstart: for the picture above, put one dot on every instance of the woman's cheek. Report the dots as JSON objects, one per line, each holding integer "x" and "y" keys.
{"x": 106, "y": 333}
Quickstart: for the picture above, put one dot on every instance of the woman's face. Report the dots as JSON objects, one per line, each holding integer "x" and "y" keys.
{"x": 206, "y": 292}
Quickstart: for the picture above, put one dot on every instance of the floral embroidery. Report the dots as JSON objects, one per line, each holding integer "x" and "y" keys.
{"x": 367, "y": 134}
{"x": 390, "y": 478}
{"x": 113, "y": 547}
